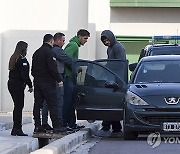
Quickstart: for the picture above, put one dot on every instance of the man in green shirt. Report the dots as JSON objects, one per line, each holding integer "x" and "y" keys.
{"x": 72, "y": 49}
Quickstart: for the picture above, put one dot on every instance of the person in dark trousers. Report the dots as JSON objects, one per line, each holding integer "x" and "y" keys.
{"x": 18, "y": 79}
{"x": 115, "y": 50}
{"x": 45, "y": 73}
{"x": 62, "y": 59}
{"x": 72, "y": 49}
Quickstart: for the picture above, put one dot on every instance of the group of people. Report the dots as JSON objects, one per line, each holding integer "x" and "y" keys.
{"x": 52, "y": 84}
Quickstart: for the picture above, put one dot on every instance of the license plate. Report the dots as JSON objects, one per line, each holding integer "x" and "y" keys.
{"x": 171, "y": 126}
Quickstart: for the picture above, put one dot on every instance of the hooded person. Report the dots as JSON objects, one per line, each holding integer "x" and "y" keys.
{"x": 115, "y": 50}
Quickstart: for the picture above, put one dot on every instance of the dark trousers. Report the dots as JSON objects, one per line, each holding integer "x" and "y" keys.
{"x": 60, "y": 93}
{"x": 116, "y": 125}
{"x": 46, "y": 91}
{"x": 16, "y": 89}
{"x": 69, "y": 117}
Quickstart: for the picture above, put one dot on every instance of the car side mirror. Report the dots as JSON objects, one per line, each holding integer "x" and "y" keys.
{"x": 132, "y": 66}
{"x": 111, "y": 84}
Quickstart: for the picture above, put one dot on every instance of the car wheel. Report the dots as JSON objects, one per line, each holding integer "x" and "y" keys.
{"x": 91, "y": 121}
{"x": 130, "y": 135}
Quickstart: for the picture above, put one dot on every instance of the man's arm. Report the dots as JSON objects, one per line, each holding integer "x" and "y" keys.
{"x": 52, "y": 65}
{"x": 72, "y": 50}
{"x": 119, "y": 52}
{"x": 63, "y": 57}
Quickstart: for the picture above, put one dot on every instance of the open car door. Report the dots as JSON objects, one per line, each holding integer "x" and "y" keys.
{"x": 100, "y": 88}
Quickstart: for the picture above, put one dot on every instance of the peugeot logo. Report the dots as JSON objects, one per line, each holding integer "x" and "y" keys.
{"x": 171, "y": 100}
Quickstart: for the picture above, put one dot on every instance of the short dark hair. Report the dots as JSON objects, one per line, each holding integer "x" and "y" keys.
{"x": 83, "y": 32}
{"x": 47, "y": 38}
{"x": 58, "y": 36}
{"x": 103, "y": 38}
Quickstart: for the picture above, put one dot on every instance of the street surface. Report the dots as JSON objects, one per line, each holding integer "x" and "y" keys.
{"x": 167, "y": 145}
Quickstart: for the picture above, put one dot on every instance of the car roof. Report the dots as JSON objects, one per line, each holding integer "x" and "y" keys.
{"x": 161, "y": 57}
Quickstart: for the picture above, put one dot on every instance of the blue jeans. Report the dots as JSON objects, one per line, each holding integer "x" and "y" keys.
{"x": 60, "y": 93}
{"x": 69, "y": 117}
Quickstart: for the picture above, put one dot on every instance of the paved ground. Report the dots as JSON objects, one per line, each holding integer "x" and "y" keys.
{"x": 27, "y": 144}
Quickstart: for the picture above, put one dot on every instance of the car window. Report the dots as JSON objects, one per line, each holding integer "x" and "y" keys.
{"x": 117, "y": 66}
{"x": 158, "y": 72}
{"x": 94, "y": 75}
{"x": 163, "y": 51}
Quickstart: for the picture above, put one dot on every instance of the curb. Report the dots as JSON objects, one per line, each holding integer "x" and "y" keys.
{"x": 9, "y": 125}
{"x": 67, "y": 143}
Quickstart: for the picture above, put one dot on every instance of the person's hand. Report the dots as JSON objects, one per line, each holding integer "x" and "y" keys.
{"x": 30, "y": 90}
{"x": 79, "y": 70}
{"x": 60, "y": 84}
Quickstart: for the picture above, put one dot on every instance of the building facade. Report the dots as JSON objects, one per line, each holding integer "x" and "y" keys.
{"x": 30, "y": 20}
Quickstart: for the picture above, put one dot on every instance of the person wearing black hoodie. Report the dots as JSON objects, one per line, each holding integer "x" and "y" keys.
{"x": 115, "y": 50}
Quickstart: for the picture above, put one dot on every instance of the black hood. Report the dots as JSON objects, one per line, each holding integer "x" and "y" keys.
{"x": 155, "y": 94}
{"x": 109, "y": 35}
{"x": 155, "y": 89}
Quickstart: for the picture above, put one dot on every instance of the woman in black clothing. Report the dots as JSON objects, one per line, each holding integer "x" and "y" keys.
{"x": 18, "y": 79}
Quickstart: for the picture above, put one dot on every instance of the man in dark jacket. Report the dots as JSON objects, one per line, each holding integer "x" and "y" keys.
{"x": 115, "y": 50}
{"x": 45, "y": 73}
{"x": 62, "y": 59}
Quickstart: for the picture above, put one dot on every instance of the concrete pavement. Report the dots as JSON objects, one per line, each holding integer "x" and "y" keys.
{"x": 27, "y": 144}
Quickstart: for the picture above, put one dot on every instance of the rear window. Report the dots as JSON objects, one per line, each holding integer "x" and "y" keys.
{"x": 165, "y": 51}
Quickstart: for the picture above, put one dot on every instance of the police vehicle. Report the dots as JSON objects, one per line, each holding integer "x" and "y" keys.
{"x": 162, "y": 49}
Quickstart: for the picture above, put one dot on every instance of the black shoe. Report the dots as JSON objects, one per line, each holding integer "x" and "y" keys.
{"x": 17, "y": 132}
{"x": 76, "y": 127}
{"x": 116, "y": 131}
{"x": 46, "y": 127}
{"x": 69, "y": 129}
{"x": 105, "y": 129}
{"x": 59, "y": 130}
{"x": 39, "y": 129}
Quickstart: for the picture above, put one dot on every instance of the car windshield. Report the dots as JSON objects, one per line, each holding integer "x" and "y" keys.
{"x": 158, "y": 72}
{"x": 165, "y": 51}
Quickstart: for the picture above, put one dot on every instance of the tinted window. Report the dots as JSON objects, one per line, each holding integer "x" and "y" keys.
{"x": 118, "y": 67}
{"x": 93, "y": 75}
{"x": 165, "y": 51}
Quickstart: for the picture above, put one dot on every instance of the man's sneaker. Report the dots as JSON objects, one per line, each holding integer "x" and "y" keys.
{"x": 76, "y": 127}
{"x": 103, "y": 133}
{"x": 105, "y": 128}
{"x": 38, "y": 129}
{"x": 116, "y": 134}
{"x": 69, "y": 129}
{"x": 59, "y": 130}
{"x": 47, "y": 127}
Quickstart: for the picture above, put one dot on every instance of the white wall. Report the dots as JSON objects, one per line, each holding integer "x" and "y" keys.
{"x": 30, "y": 20}
{"x": 0, "y": 70}
{"x": 145, "y": 21}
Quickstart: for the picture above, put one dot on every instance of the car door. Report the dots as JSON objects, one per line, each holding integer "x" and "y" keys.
{"x": 100, "y": 88}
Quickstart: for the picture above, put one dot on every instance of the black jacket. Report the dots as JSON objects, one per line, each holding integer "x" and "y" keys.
{"x": 20, "y": 72}
{"x": 44, "y": 66}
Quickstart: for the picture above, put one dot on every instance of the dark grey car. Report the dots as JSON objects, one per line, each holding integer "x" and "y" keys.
{"x": 152, "y": 100}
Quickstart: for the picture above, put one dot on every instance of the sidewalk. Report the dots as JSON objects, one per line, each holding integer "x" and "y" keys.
{"x": 27, "y": 144}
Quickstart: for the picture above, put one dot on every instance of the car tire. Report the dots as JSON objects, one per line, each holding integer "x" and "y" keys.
{"x": 130, "y": 135}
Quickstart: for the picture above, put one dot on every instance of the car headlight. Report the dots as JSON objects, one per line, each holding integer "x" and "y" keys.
{"x": 134, "y": 99}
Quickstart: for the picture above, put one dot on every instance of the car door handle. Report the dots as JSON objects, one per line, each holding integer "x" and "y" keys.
{"x": 81, "y": 94}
